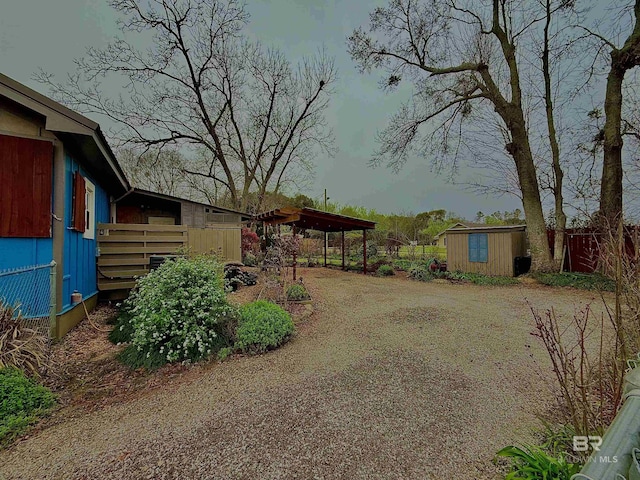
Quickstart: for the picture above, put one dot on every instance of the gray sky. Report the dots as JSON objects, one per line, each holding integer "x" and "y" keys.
{"x": 50, "y": 34}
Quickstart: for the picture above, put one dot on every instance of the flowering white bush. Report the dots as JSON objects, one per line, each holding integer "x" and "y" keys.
{"x": 180, "y": 310}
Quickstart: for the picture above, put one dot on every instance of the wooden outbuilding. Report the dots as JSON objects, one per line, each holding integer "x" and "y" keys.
{"x": 139, "y": 206}
{"x": 489, "y": 250}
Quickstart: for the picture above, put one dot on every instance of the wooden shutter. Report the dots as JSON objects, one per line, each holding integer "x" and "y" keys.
{"x": 79, "y": 206}
{"x": 26, "y": 177}
{"x": 483, "y": 247}
{"x": 473, "y": 247}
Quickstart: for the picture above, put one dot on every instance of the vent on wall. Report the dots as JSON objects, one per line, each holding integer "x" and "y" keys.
{"x": 221, "y": 218}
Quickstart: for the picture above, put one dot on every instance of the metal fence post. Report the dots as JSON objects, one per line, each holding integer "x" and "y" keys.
{"x": 52, "y": 293}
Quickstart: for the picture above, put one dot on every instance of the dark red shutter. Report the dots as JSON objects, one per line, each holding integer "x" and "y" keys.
{"x": 79, "y": 206}
{"x": 26, "y": 172}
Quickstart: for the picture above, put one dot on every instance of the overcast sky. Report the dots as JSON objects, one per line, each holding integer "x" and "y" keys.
{"x": 50, "y": 34}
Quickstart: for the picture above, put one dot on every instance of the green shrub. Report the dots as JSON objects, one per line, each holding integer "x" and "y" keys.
{"x": 402, "y": 265}
{"x": 224, "y": 352}
{"x": 123, "y": 329}
{"x": 250, "y": 260}
{"x": 420, "y": 272}
{"x": 532, "y": 463}
{"x": 262, "y": 326}
{"x": 179, "y": 311}
{"x": 134, "y": 358}
{"x": 372, "y": 253}
{"x": 297, "y": 292}
{"x": 584, "y": 281}
{"x": 385, "y": 271}
{"x": 22, "y": 402}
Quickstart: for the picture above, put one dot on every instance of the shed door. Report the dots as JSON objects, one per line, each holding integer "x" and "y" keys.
{"x": 478, "y": 247}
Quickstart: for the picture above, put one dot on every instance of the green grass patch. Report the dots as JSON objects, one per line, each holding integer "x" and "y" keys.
{"x": 583, "y": 281}
{"x": 22, "y": 403}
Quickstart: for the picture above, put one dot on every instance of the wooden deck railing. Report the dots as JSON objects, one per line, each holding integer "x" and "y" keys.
{"x": 125, "y": 250}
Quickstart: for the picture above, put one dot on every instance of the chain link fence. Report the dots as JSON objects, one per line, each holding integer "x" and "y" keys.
{"x": 32, "y": 291}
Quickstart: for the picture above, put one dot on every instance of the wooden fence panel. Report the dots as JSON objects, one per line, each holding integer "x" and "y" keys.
{"x": 223, "y": 240}
{"x": 125, "y": 250}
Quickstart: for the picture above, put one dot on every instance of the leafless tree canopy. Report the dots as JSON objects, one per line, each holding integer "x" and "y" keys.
{"x": 464, "y": 60}
{"x": 201, "y": 84}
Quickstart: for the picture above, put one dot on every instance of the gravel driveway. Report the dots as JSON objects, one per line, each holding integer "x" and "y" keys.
{"x": 390, "y": 378}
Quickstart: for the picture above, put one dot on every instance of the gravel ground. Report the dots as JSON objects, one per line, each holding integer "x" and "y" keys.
{"x": 389, "y": 378}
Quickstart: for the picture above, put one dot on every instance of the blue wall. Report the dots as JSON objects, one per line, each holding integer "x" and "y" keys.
{"x": 79, "y": 252}
{"x": 22, "y": 252}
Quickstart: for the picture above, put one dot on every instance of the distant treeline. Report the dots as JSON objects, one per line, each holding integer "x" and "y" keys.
{"x": 406, "y": 227}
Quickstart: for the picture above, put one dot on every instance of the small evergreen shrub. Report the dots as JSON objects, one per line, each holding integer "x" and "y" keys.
{"x": 250, "y": 260}
{"x": 402, "y": 264}
{"x": 420, "y": 272}
{"x": 297, "y": 292}
{"x": 262, "y": 326}
{"x": 224, "y": 352}
{"x": 372, "y": 252}
{"x": 178, "y": 312}
{"x": 385, "y": 271}
{"x": 22, "y": 402}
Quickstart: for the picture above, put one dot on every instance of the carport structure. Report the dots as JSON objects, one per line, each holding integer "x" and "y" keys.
{"x": 312, "y": 219}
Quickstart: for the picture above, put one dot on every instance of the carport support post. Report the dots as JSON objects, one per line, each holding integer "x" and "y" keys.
{"x": 325, "y": 249}
{"x": 343, "y": 250}
{"x": 295, "y": 260}
{"x": 364, "y": 251}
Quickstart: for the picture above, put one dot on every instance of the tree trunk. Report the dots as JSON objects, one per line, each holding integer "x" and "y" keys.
{"x": 622, "y": 60}
{"x": 536, "y": 228}
{"x": 558, "y": 174}
{"x": 611, "y": 184}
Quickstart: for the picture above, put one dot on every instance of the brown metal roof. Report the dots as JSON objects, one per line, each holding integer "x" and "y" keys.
{"x": 312, "y": 219}
{"x": 172, "y": 198}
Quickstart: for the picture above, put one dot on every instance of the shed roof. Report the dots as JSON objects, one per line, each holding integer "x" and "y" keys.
{"x": 171, "y": 198}
{"x": 487, "y": 229}
{"x": 312, "y": 219}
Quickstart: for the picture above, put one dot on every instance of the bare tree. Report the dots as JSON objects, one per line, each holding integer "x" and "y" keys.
{"x": 558, "y": 174}
{"x": 458, "y": 55}
{"x": 201, "y": 83}
{"x": 621, "y": 60}
{"x": 160, "y": 172}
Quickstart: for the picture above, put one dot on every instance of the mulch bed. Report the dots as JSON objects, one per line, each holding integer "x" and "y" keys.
{"x": 84, "y": 369}
{"x": 85, "y": 372}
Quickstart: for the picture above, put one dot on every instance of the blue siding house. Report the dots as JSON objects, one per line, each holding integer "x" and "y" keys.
{"x": 58, "y": 180}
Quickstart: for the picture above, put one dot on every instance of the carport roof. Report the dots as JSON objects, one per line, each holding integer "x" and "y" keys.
{"x": 312, "y": 219}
